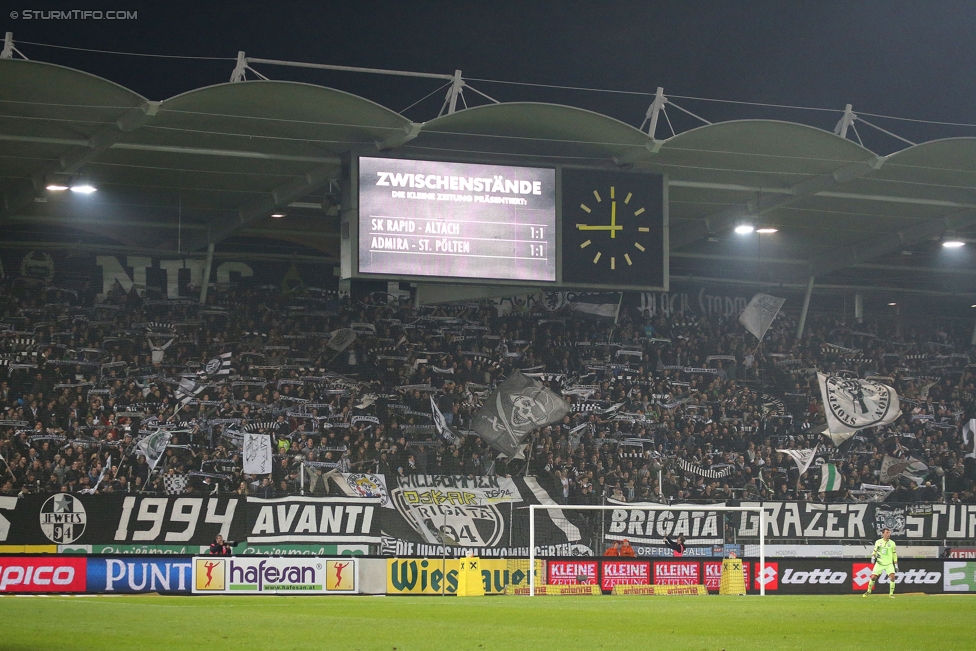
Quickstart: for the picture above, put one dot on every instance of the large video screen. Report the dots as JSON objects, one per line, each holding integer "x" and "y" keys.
{"x": 456, "y": 220}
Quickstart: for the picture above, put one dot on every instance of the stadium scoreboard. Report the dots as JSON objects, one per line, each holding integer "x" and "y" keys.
{"x": 457, "y": 220}
{"x": 550, "y": 227}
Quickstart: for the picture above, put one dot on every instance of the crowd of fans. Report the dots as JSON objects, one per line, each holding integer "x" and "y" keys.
{"x": 665, "y": 407}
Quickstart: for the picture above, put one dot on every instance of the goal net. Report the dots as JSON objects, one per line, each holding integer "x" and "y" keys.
{"x": 709, "y": 532}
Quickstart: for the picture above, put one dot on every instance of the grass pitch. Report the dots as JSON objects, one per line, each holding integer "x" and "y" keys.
{"x": 485, "y": 624}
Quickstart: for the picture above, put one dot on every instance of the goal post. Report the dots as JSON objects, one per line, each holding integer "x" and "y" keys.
{"x": 534, "y": 508}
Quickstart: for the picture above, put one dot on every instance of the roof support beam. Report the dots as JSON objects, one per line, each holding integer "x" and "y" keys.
{"x": 71, "y": 161}
{"x": 766, "y": 201}
{"x": 276, "y": 199}
{"x": 875, "y": 247}
{"x": 399, "y": 138}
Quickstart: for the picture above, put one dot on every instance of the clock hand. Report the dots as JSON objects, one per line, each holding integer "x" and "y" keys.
{"x": 611, "y": 228}
{"x": 613, "y": 219}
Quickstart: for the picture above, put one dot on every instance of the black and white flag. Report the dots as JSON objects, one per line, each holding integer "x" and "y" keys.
{"x": 760, "y": 313}
{"x": 341, "y": 339}
{"x": 601, "y": 306}
{"x": 969, "y": 438}
{"x": 519, "y": 405}
{"x": 257, "y": 454}
{"x": 911, "y": 468}
{"x": 187, "y": 391}
{"x": 803, "y": 458}
{"x": 153, "y": 446}
{"x": 443, "y": 429}
{"x": 852, "y": 404}
{"x": 219, "y": 365}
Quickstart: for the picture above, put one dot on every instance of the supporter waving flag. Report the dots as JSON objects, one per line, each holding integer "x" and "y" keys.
{"x": 443, "y": 429}
{"x": 519, "y": 405}
{"x": 153, "y": 446}
{"x": 760, "y": 313}
{"x": 851, "y": 404}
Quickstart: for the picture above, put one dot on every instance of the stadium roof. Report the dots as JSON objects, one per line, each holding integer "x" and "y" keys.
{"x": 212, "y": 165}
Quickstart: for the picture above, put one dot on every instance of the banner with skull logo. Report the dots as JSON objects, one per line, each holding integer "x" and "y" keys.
{"x": 519, "y": 405}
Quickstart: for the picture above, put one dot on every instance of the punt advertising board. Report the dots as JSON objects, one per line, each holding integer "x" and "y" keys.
{"x": 168, "y": 574}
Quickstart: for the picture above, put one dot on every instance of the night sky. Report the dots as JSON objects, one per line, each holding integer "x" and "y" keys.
{"x": 908, "y": 59}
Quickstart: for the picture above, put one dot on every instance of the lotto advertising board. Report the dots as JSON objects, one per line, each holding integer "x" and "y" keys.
{"x": 259, "y": 575}
{"x": 828, "y": 576}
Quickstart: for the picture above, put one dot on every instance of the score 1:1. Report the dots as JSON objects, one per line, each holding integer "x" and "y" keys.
{"x": 537, "y": 232}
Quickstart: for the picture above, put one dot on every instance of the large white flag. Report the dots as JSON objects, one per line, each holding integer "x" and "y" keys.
{"x": 759, "y": 314}
{"x": 852, "y": 404}
{"x": 257, "y": 454}
{"x": 153, "y": 446}
{"x": 969, "y": 438}
{"x": 803, "y": 458}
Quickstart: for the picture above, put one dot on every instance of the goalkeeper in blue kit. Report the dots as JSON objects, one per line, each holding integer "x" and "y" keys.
{"x": 885, "y": 559}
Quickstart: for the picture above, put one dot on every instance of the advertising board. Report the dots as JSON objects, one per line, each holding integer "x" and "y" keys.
{"x": 130, "y": 575}
{"x": 624, "y": 573}
{"x": 27, "y": 574}
{"x": 269, "y": 575}
{"x": 435, "y": 576}
{"x": 572, "y": 572}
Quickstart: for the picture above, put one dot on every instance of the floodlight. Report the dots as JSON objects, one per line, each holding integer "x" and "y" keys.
{"x": 953, "y": 243}
{"x": 767, "y": 230}
{"x": 82, "y": 187}
{"x": 744, "y": 228}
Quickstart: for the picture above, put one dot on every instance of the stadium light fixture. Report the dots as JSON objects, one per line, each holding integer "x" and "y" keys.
{"x": 953, "y": 243}
{"x": 892, "y": 304}
{"x": 972, "y": 306}
{"x": 57, "y": 182}
{"x": 277, "y": 215}
{"x": 744, "y": 228}
{"x": 82, "y": 186}
{"x": 767, "y": 230}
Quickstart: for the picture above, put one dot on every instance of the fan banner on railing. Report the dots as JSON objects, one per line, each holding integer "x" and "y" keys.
{"x": 488, "y": 516}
